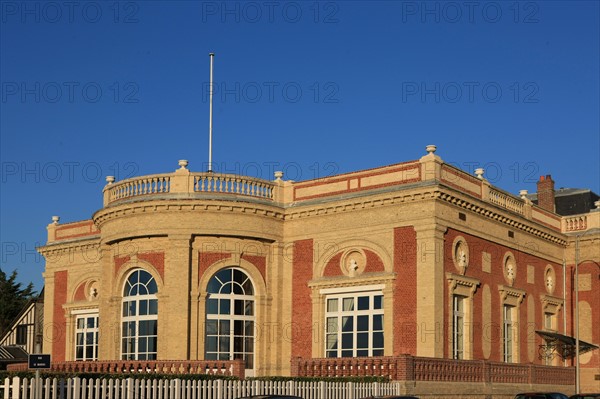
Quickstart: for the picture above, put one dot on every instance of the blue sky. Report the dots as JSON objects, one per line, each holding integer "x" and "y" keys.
{"x": 99, "y": 88}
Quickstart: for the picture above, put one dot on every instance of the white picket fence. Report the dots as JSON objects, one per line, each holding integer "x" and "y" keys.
{"x": 82, "y": 388}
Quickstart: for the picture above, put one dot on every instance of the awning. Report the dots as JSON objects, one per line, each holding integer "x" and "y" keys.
{"x": 563, "y": 345}
{"x": 12, "y": 354}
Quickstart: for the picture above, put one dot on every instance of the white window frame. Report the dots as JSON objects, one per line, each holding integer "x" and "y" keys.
{"x": 335, "y": 329}
{"x": 460, "y": 342}
{"x": 247, "y": 339}
{"x": 84, "y": 330}
{"x": 458, "y": 326}
{"x": 136, "y": 319}
{"x": 509, "y": 316}
{"x": 508, "y": 333}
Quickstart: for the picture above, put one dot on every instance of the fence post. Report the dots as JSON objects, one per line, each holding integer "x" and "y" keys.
{"x": 322, "y": 389}
{"x": 16, "y": 388}
{"x": 219, "y": 388}
{"x": 177, "y": 388}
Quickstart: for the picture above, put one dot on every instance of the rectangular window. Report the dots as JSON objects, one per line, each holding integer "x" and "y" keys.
{"x": 86, "y": 337}
{"x": 21, "y": 338}
{"x": 354, "y": 324}
{"x": 508, "y": 333}
{"x": 458, "y": 326}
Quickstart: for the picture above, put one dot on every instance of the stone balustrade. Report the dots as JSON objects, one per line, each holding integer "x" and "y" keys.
{"x": 505, "y": 200}
{"x": 185, "y": 183}
{"x": 412, "y": 368}
{"x": 233, "y": 368}
{"x": 581, "y": 222}
{"x": 232, "y": 184}
{"x": 138, "y": 186}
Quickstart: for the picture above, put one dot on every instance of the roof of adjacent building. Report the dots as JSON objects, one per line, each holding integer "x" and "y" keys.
{"x": 571, "y": 201}
{"x": 10, "y": 353}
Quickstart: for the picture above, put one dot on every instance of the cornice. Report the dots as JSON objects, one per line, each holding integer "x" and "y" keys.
{"x": 458, "y": 279}
{"x": 510, "y": 292}
{"x": 81, "y": 305}
{"x": 513, "y": 222}
{"x": 345, "y": 281}
{"x": 70, "y": 246}
{"x": 550, "y": 300}
{"x": 358, "y": 203}
{"x": 425, "y": 194}
{"x": 132, "y": 208}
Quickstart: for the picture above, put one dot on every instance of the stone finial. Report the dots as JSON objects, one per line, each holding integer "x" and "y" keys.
{"x": 479, "y": 173}
{"x": 278, "y": 175}
{"x": 597, "y": 203}
{"x": 523, "y": 194}
{"x": 183, "y": 163}
{"x": 55, "y": 219}
{"x": 431, "y": 148}
{"x": 110, "y": 179}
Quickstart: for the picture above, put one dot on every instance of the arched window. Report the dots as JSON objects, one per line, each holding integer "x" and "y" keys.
{"x": 230, "y": 317}
{"x": 140, "y": 317}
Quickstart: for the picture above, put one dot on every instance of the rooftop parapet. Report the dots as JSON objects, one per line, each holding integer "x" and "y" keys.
{"x": 183, "y": 182}
{"x": 582, "y": 222}
{"x": 429, "y": 169}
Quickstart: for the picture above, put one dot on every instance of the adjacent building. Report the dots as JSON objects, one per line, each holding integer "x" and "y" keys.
{"x": 416, "y": 259}
{"x": 24, "y": 334}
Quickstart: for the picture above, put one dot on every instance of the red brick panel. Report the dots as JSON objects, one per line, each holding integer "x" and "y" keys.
{"x": 206, "y": 259}
{"x": 60, "y": 322}
{"x": 405, "y": 292}
{"x": 156, "y": 259}
{"x": 120, "y": 261}
{"x": 333, "y": 266}
{"x": 374, "y": 262}
{"x": 80, "y": 293}
{"x": 302, "y": 264}
{"x": 259, "y": 261}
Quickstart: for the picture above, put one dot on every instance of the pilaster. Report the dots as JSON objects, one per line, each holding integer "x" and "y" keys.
{"x": 174, "y": 308}
{"x": 430, "y": 289}
{"x": 109, "y": 306}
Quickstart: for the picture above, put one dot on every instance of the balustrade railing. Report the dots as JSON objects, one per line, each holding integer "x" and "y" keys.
{"x": 412, "y": 368}
{"x": 506, "y": 200}
{"x": 187, "y": 183}
{"x": 447, "y": 370}
{"x": 575, "y": 223}
{"x": 153, "y": 184}
{"x": 232, "y": 184}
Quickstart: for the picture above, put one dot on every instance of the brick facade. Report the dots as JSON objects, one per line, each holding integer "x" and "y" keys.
{"x": 392, "y": 231}
{"x": 301, "y": 332}
{"x": 59, "y": 320}
{"x": 405, "y": 292}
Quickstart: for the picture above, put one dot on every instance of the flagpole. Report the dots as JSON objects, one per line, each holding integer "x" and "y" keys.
{"x": 212, "y": 56}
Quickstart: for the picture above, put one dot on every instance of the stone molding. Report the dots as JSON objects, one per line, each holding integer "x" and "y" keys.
{"x": 106, "y": 214}
{"x": 345, "y": 281}
{"x": 510, "y": 295}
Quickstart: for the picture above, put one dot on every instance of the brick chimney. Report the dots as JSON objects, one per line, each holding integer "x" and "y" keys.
{"x": 545, "y": 193}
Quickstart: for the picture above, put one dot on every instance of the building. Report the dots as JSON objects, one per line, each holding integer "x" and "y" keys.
{"x": 418, "y": 260}
{"x": 24, "y": 333}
